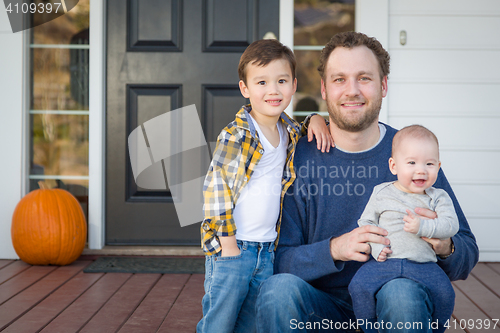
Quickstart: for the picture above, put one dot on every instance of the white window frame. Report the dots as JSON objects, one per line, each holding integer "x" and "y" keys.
{"x": 96, "y": 114}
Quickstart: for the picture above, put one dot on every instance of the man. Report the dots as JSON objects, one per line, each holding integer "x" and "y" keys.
{"x": 320, "y": 245}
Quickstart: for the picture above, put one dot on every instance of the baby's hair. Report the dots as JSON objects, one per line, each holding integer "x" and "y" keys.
{"x": 262, "y": 52}
{"x": 412, "y": 131}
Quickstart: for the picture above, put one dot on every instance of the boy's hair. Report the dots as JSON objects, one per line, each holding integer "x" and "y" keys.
{"x": 262, "y": 52}
{"x": 350, "y": 40}
{"x": 413, "y": 131}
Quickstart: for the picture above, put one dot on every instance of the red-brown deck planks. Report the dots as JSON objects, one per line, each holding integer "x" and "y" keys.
{"x": 5, "y": 262}
{"x": 54, "y": 304}
{"x": 22, "y": 281}
{"x": 51, "y": 299}
{"x": 9, "y": 271}
{"x": 481, "y": 296}
{"x": 152, "y": 311}
{"x": 187, "y": 311}
{"x": 465, "y": 310}
{"x": 87, "y": 305}
{"x": 121, "y": 306}
{"x": 488, "y": 277}
{"x": 15, "y": 307}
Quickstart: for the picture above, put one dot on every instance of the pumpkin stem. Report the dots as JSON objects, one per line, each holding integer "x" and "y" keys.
{"x": 43, "y": 185}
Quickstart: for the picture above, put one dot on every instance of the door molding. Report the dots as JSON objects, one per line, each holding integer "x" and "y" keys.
{"x": 97, "y": 134}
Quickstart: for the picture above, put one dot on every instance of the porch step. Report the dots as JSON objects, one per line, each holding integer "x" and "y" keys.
{"x": 145, "y": 251}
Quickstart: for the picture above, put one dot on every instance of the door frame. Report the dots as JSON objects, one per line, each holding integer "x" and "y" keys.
{"x": 97, "y": 133}
{"x": 372, "y": 17}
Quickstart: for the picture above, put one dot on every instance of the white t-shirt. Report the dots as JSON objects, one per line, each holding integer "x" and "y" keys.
{"x": 259, "y": 204}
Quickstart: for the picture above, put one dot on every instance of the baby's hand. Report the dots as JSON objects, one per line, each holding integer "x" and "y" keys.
{"x": 383, "y": 254}
{"x": 317, "y": 127}
{"x": 412, "y": 222}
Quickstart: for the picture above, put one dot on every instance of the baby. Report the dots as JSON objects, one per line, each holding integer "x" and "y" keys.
{"x": 415, "y": 162}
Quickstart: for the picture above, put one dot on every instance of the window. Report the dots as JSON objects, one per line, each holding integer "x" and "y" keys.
{"x": 59, "y": 101}
{"x": 315, "y": 22}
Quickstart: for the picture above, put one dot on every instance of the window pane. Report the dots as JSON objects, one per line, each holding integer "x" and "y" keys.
{"x": 60, "y": 79}
{"x": 316, "y": 21}
{"x": 60, "y": 145}
{"x": 70, "y": 28}
{"x": 308, "y": 95}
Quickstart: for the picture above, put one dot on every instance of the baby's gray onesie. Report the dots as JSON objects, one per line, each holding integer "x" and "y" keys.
{"x": 387, "y": 207}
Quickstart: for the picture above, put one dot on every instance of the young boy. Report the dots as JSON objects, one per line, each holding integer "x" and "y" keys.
{"x": 252, "y": 168}
{"x": 415, "y": 161}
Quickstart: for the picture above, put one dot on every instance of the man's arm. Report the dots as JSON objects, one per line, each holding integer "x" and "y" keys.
{"x": 312, "y": 261}
{"x": 460, "y": 263}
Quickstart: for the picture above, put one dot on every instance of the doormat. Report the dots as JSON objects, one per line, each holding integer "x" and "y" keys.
{"x": 147, "y": 265}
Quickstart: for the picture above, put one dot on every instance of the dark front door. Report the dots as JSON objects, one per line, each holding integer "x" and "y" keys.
{"x": 163, "y": 55}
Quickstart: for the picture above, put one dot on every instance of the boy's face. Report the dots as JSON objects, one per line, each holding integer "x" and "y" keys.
{"x": 270, "y": 88}
{"x": 416, "y": 163}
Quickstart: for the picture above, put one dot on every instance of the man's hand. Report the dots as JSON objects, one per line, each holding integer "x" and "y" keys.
{"x": 425, "y": 213}
{"x": 353, "y": 245}
{"x": 442, "y": 247}
{"x": 317, "y": 127}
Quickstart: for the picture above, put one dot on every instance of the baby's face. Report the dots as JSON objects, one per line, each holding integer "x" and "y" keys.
{"x": 416, "y": 163}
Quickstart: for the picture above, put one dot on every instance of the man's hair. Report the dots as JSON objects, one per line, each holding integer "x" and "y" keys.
{"x": 262, "y": 52}
{"x": 350, "y": 40}
{"x": 413, "y": 131}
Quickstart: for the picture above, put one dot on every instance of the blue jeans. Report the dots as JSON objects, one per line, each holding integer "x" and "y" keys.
{"x": 406, "y": 304}
{"x": 231, "y": 288}
{"x": 287, "y": 303}
{"x": 435, "y": 285}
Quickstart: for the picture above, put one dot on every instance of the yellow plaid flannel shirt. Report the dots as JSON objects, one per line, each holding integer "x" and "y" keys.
{"x": 237, "y": 152}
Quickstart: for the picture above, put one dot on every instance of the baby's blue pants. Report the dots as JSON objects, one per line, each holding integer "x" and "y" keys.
{"x": 373, "y": 275}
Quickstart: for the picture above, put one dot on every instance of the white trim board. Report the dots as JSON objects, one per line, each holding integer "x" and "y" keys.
{"x": 286, "y": 34}
{"x": 12, "y": 67}
{"x": 97, "y": 134}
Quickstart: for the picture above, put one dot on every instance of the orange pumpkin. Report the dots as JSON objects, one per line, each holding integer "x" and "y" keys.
{"x": 49, "y": 228}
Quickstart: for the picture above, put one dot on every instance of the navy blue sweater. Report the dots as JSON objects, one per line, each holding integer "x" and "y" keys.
{"x": 326, "y": 201}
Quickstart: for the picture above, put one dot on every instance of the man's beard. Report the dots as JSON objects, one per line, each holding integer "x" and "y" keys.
{"x": 354, "y": 124}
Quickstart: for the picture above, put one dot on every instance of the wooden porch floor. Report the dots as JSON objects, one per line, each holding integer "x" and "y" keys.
{"x": 53, "y": 299}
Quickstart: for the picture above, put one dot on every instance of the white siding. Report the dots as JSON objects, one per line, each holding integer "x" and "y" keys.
{"x": 447, "y": 78}
{"x": 12, "y": 129}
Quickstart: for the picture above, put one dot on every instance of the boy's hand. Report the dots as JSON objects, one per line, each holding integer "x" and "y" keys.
{"x": 412, "y": 222}
{"x": 383, "y": 254}
{"x": 229, "y": 246}
{"x": 317, "y": 127}
{"x": 231, "y": 252}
